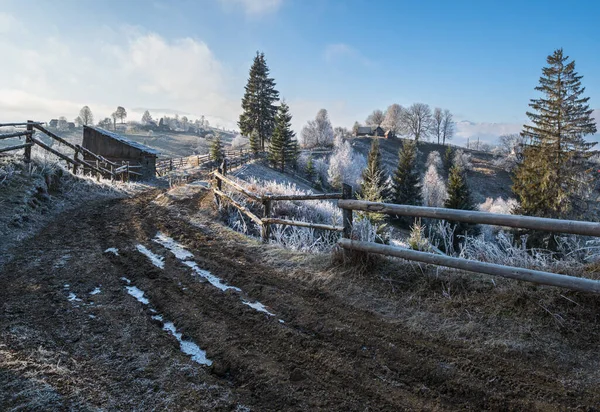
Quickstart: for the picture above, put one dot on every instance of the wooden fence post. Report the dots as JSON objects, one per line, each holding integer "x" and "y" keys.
{"x": 127, "y": 170}
{"x": 266, "y": 228}
{"x": 28, "y": 140}
{"x": 97, "y": 173}
{"x": 76, "y": 158}
{"x": 224, "y": 168}
{"x": 219, "y": 184}
{"x": 346, "y": 213}
{"x": 112, "y": 173}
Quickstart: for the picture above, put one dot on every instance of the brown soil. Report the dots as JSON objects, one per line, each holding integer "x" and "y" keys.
{"x": 331, "y": 353}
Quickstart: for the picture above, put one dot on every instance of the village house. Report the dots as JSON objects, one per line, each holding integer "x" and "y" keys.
{"x": 370, "y": 131}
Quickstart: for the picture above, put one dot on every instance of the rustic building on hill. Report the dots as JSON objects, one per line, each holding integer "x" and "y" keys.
{"x": 119, "y": 149}
{"x": 370, "y": 131}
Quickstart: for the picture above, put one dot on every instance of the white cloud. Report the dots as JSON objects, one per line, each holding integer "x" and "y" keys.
{"x": 253, "y": 7}
{"x": 43, "y": 76}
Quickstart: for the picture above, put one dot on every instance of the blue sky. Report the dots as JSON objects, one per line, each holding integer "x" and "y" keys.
{"x": 480, "y": 59}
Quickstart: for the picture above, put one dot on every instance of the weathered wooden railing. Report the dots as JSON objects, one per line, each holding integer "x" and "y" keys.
{"x": 267, "y": 220}
{"x": 101, "y": 166}
{"x": 167, "y": 165}
{"x": 524, "y": 222}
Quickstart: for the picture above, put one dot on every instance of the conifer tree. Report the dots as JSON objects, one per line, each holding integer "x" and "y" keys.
{"x": 406, "y": 178}
{"x": 551, "y": 177}
{"x": 254, "y": 142}
{"x": 283, "y": 148}
{"x": 459, "y": 197}
{"x": 448, "y": 159}
{"x": 217, "y": 154}
{"x": 310, "y": 169}
{"x": 258, "y": 105}
{"x": 374, "y": 180}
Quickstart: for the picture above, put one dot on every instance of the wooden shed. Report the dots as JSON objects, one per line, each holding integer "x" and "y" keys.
{"x": 369, "y": 131}
{"x": 119, "y": 149}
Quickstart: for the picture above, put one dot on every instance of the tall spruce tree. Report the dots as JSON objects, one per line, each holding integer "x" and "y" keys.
{"x": 459, "y": 197}
{"x": 283, "y": 148}
{"x": 258, "y": 105}
{"x": 406, "y": 178}
{"x": 551, "y": 178}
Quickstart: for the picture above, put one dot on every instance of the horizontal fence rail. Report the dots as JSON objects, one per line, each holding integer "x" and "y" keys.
{"x": 524, "y": 222}
{"x": 529, "y": 275}
{"x": 467, "y": 216}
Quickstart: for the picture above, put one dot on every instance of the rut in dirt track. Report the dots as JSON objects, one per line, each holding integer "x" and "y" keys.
{"x": 327, "y": 355}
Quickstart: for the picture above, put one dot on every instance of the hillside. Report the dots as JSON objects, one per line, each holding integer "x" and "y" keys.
{"x": 485, "y": 180}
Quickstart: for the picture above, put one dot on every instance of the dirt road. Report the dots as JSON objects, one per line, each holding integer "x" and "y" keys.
{"x": 90, "y": 320}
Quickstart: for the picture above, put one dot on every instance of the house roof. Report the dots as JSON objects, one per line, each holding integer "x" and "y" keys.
{"x": 118, "y": 137}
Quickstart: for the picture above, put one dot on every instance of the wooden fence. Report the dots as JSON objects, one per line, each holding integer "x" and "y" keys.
{"x": 100, "y": 166}
{"x": 164, "y": 166}
{"x": 524, "y": 222}
{"x": 267, "y": 199}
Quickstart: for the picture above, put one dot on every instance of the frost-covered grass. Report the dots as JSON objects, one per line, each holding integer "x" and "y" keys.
{"x": 294, "y": 237}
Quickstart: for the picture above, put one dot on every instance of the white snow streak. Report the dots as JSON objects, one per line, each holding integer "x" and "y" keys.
{"x": 156, "y": 260}
{"x": 176, "y": 248}
{"x": 95, "y": 291}
{"x": 73, "y": 297}
{"x": 137, "y": 293}
{"x": 258, "y": 307}
{"x": 112, "y": 250}
{"x": 212, "y": 279}
{"x": 188, "y": 347}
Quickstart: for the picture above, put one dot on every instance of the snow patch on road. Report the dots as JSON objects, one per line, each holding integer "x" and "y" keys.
{"x": 212, "y": 279}
{"x": 112, "y": 250}
{"x": 175, "y": 247}
{"x": 138, "y": 294}
{"x": 73, "y": 297}
{"x": 259, "y": 307}
{"x": 186, "y": 346}
{"x": 126, "y": 280}
{"x": 95, "y": 291}
{"x": 156, "y": 260}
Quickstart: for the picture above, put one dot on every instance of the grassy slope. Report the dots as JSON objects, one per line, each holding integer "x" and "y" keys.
{"x": 485, "y": 179}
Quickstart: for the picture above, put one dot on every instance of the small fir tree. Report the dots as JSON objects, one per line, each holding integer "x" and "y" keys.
{"x": 407, "y": 190}
{"x": 255, "y": 142}
{"x": 374, "y": 180}
{"x": 448, "y": 159}
{"x": 283, "y": 148}
{"x": 459, "y": 197}
{"x": 217, "y": 154}
{"x": 310, "y": 169}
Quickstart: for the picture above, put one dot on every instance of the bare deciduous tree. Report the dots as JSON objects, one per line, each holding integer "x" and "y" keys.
{"x": 375, "y": 118}
{"x": 417, "y": 120}
{"x": 86, "y": 117}
{"x": 146, "y": 117}
{"x": 393, "y": 118}
{"x": 437, "y": 121}
{"x": 121, "y": 113}
{"x": 318, "y": 132}
{"x": 447, "y": 126}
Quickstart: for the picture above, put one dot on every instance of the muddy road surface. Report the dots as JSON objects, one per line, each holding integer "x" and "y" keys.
{"x": 128, "y": 305}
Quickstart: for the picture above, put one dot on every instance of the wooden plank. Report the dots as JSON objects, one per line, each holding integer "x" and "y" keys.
{"x": 54, "y": 136}
{"x": 347, "y": 215}
{"x": 266, "y": 227}
{"x": 94, "y": 155}
{"x": 15, "y": 134}
{"x": 276, "y": 221}
{"x": 528, "y": 275}
{"x": 239, "y": 187}
{"x": 21, "y": 146}
{"x": 18, "y": 124}
{"x": 317, "y": 196}
{"x": 28, "y": 139}
{"x": 244, "y": 209}
{"x": 525, "y": 222}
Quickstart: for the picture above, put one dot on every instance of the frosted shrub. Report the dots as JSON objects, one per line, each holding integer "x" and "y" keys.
{"x": 239, "y": 141}
{"x": 366, "y": 231}
{"x": 345, "y": 165}
{"x": 463, "y": 160}
{"x": 500, "y": 206}
{"x": 417, "y": 239}
{"x": 292, "y": 237}
{"x": 434, "y": 159}
{"x": 433, "y": 188}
